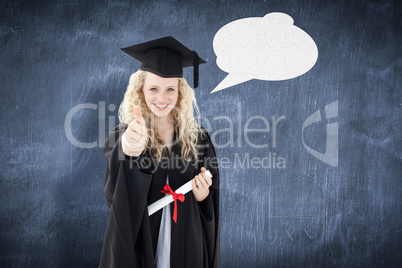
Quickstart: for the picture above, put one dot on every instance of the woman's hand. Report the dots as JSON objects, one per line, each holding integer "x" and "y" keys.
{"x": 201, "y": 184}
{"x": 134, "y": 138}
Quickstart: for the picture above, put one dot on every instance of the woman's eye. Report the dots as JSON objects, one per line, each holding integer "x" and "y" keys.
{"x": 170, "y": 89}
{"x": 153, "y": 89}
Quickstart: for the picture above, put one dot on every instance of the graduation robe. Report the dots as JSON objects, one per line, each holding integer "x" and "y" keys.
{"x": 132, "y": 183}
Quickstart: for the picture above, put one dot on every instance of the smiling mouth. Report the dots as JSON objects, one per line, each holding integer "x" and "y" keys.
{"x": 161, "y": 106}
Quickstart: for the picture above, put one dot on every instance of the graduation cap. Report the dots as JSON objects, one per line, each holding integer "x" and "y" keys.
{"x": 165, "y": 57}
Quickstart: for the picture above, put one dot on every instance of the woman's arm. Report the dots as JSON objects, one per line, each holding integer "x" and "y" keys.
{"x": 126, "y": 190}
{"x": 209, "y": 207}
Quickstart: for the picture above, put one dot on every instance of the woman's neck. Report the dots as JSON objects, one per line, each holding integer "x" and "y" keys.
{"x": 165, "y": 124}
{"x": 166, "y": 130}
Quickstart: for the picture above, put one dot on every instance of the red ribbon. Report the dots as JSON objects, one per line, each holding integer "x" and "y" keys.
{"x": 168, "y": 190}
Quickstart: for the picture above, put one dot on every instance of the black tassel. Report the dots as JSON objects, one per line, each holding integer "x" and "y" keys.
{"x": 196, "y": 63}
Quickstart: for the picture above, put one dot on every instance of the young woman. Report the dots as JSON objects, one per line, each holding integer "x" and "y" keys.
{"x": 159, "y": 142}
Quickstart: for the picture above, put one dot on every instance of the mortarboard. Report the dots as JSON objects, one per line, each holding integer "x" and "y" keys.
{"x": 165, "y": 57}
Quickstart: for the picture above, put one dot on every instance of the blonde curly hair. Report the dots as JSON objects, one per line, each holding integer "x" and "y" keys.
{"x": 186, "y": 127}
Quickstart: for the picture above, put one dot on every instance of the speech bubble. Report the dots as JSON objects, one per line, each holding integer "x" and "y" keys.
{"x": 270, "y": 48}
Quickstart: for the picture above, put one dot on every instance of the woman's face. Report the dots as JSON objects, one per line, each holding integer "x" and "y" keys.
{"x": 160, "y": 93}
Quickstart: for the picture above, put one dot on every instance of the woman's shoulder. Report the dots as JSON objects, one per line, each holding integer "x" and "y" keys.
{"x": 205, "y": 145}
{"x": 119, "y": 128}
{"x": 203, "y": 136}
{"x": 202, "y": 133}
{"x": 115, "y": 134}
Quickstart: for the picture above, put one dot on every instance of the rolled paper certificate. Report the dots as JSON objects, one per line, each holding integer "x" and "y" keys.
{"x": 164, "y": 201}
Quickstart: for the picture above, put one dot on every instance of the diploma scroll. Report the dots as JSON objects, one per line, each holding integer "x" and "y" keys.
{"x": 187, "y": 187}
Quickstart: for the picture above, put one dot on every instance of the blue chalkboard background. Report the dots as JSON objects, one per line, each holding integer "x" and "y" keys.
{"x": 56, "y": 55}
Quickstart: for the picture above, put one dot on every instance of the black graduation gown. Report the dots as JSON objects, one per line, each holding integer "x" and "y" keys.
{"x": 132, "y": 183}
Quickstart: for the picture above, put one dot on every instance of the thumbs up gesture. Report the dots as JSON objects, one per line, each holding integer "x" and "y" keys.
{"x": 135, "y": 136}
